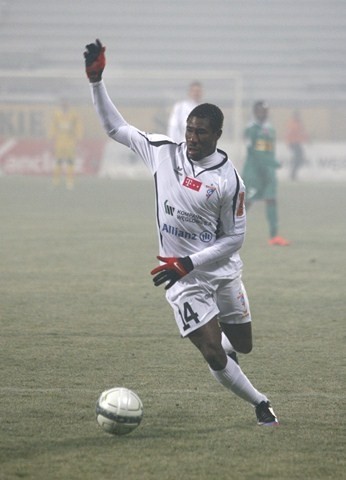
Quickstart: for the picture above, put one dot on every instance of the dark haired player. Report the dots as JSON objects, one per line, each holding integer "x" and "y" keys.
{"x": 201, "y": 226}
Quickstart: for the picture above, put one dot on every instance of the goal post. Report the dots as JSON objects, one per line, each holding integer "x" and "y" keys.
{"x": 223, "y": 87}
{"x": 147, "y": 86}
{"x": 146, "y": 94}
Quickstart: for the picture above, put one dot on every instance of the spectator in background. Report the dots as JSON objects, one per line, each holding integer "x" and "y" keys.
{"x": 259, "y": 173}
{"x": 295, "y": 137}
{"x": 66, "y": 130}
{"x": 181, "y": 110}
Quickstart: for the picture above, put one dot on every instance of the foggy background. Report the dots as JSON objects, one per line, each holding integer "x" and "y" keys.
{"x": 291, "y": 53}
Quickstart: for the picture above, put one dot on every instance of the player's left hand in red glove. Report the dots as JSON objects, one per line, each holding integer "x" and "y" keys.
{"x": 171, "y": 271}
{"x": 95, "y": 60}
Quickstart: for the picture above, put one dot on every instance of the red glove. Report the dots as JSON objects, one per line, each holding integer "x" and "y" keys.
{"x": 95, "y": 60}
{"x": 172, "y": 270}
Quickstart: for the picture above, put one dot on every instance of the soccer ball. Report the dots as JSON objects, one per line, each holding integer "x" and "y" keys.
{"x": 119, "y": 411}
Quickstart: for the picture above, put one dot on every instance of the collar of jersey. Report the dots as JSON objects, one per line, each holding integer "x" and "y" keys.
{"x": 211, "y": 162}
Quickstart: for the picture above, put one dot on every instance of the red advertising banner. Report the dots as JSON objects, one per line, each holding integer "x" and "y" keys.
{"x": 35, "y": 156}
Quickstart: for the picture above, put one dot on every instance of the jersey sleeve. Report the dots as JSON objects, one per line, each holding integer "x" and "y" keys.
{"x": 150, "y": 147}
{"x": 110, "y": 117}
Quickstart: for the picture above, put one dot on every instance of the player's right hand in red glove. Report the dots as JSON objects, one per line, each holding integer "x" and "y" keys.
{"x": 95, "y": 60}
{"x": 172, "y": 270}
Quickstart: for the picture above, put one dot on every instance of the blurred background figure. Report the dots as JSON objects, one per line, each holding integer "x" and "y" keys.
{"x": 66, "y": 131}
{"x": 259, "y": 173}
{"x": 181, "y": 110}
{"x": 295, "y": 137}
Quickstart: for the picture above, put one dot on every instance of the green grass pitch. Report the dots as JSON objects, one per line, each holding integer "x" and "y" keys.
{"x": 79, "y": 314}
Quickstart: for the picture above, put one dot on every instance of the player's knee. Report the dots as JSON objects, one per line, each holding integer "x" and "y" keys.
{"x": 215, "y": 357}
{"x": 244, "y": 346}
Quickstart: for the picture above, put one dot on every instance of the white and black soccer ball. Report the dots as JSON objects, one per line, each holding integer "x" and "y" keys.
{"x": 119, "y": 411}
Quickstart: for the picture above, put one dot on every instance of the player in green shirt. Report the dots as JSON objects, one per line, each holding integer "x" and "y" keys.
{"x": 259, "y": 172}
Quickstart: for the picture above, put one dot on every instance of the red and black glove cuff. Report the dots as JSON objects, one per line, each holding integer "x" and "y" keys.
{"x": 171, "y": 271}
{"x": 95, "y": 61}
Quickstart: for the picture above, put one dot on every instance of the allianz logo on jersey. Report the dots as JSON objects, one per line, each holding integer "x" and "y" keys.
{"x": 204, "y": 236}
{"x": 168, "y": 209}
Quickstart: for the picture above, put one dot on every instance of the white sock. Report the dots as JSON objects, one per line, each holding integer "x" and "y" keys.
{"x": 226, "y": 344}
{"x": 233, "y": 378}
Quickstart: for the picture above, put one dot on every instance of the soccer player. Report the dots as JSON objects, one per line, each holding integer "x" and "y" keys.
{"x": 259, "y": 173}
{"x": 180, "y": 111}
{"x": 66, "y": 131}
{"x": 201, "y": 226}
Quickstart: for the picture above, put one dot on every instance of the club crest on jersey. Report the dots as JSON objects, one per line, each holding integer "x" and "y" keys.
{"x": 192, "y": 183}
{"x": 210, "y": 190}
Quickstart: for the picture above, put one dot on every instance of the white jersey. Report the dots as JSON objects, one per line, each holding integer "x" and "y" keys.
{"x": 177, "y": 119}
{"x": 199, "y": 205}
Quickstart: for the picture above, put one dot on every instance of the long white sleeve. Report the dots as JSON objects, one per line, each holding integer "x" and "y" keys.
{"x": 111, "y": 118}
{"x": 222, "y": 249}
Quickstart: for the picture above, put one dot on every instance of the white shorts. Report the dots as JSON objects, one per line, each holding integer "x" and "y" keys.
{"x": 196, "y": 301}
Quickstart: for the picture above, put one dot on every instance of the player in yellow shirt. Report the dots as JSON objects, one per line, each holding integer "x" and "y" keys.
{"x": 66, "y": 131}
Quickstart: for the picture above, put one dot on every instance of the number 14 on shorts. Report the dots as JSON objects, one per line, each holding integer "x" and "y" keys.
{"x": 188, "y": 315}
